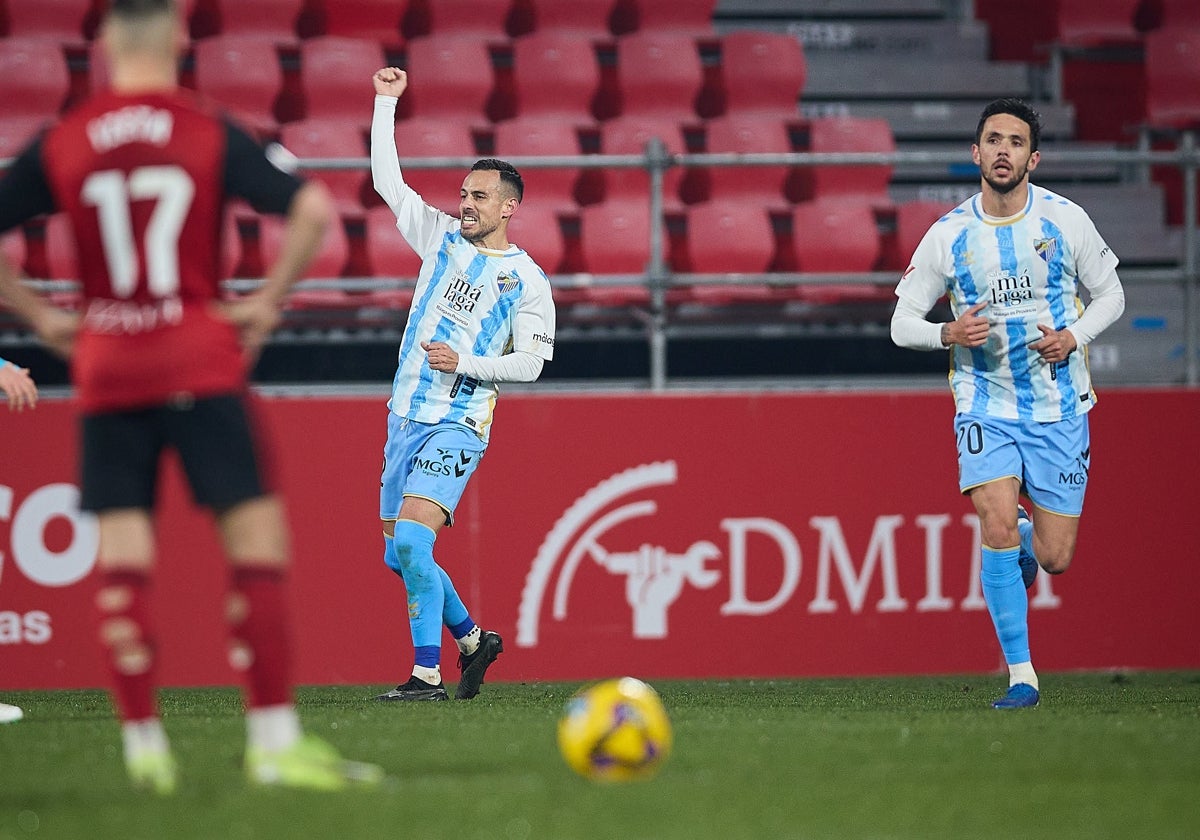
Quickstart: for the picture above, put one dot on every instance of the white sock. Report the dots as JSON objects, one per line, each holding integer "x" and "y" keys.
{"x": 469, "y": 643}
{"x": 144, "y": 736}
{"x": 272, "y": 728}
{"x": 433, "y": 675}
{"x": 1022, "y": 672}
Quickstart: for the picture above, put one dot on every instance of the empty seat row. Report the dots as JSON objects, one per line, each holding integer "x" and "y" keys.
{"x": 827, "y": 236}
{"x": 656, "y": 75}
{"x": 1167, "y": 32}
{"x": 564, "y": 187}
{"x": 389, "y": 21}
{"x": 1172, "y": 58}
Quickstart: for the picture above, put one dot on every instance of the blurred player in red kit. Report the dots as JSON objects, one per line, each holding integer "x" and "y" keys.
{"x": 143, "y": 171}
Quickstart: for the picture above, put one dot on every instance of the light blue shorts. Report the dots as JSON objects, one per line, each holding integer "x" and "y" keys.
{"x": 431, "y": 462}
{"x": 1051, "y": 460}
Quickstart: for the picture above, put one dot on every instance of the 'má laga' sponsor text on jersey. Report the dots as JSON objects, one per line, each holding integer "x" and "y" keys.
{"x": 480, "y": 302}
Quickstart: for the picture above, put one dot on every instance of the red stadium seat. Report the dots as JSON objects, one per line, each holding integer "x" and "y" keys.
{"x": 1173, "y": 77}
{"x": 483, "y": 19}
{"x": 335, "y": 78}
{"x": 659, "y": 75}
{"x": 433, "y": 137}
{"x": 615, "y": 237}
{"x": 762, "y": 72}
{"x": 242, "y": 73}
{"x": 329, "y": 261}
{"x": 35, "y": 77}
{"x": 389, "y": 254}
{"x": 273, "y": 19}
{"x": 749, "y": 133}
{"x": 1180, "y": 13}
{"x": 450, "y": 76}
{"x": 554, "y": 73}
{"x": 373, "y": 20}
{"x": 835, "y": 236}
{"x": 848, "y": 134}
{"x": 629, "y": 136}
{"x": 913, "y": 219}
{"x": 536, "y": 229}
{"x": 1096, "y": 22}
{"x": 66, "y": 21}
{"x": 729, "y": 237}
{"x": 579, "y": 18}
{"x": 542, "y": 136}
{"x": 684, "y": 17}
{"x": 331, "y": 139}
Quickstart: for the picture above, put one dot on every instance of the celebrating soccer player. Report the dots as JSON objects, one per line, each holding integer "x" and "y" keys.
{"x": 1011, "y": 259}
{"x": 481, "y": 315}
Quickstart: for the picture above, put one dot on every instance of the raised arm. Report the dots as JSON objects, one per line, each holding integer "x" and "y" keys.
{"x": 421, "y": 225}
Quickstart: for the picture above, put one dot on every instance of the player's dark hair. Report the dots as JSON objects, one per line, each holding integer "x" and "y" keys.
{"x": 1018, "y": 108}
{"x": 508, "y": 174}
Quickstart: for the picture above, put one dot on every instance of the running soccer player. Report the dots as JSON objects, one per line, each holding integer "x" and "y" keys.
{"x": 143, "y": 171}
{"x": 1011, "y": 259}
{"x": 482, "y": 314}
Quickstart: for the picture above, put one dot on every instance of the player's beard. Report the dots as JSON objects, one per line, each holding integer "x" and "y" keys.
{"x": 480, "y": 233}
{"x": 1005, "y": 187}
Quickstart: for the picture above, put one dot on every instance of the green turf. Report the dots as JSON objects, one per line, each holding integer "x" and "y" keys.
{"x": 1104, "y": 756}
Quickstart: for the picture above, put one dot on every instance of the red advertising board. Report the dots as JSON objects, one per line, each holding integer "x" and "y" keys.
{"x": 716, "y": 534}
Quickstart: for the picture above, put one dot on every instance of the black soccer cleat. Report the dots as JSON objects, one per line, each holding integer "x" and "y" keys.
{"x": 416, "y": 689}
{"x": 473, "y": 667}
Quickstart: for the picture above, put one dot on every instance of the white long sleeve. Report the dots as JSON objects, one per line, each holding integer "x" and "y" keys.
{"x": 911, "y": 330}
{"x": 385, "y": 163}
{"x": 1105, "y": 307}
{"x": 421, "y": 225}
{"x": 517, "y": 366}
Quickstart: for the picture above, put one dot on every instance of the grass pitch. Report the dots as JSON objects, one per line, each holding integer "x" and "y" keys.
{"x": 1104, "y": 756}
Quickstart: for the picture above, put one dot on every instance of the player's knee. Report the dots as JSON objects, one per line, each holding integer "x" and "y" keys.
{"x": 391, "y": 559}
{"x": 1054, "y": 556}
{"x": 1055, "y": 563}
{"x": 411, "y": 554}
{"x": 408, "y": 561}
{"x": 1000, "y": 536}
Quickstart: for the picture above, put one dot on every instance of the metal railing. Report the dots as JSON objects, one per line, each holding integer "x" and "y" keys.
{"x": 659, "y": 278}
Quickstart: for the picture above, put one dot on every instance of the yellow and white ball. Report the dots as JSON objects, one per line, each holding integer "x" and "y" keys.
{"x": 616, "y": 731}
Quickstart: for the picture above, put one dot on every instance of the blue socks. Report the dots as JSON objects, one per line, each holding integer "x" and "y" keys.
{"x": 432, "y": 599}
{"x": 1004, "y": 592}
{"x": 454, "y": 611}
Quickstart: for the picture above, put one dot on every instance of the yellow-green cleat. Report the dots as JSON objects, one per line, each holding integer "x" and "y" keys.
{"x": 312, "y": 764}
{"x": 153, "y": 771}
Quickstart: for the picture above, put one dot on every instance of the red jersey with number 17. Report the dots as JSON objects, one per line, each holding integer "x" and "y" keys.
{"x": 144, "y": 179}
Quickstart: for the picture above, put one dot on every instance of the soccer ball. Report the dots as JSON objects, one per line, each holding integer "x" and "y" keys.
{"x": 615, "y": 731}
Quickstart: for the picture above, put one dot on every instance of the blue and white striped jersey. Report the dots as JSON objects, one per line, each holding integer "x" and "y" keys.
{"x": 1028, "y": 269}
{"x": 482, "y": 303}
